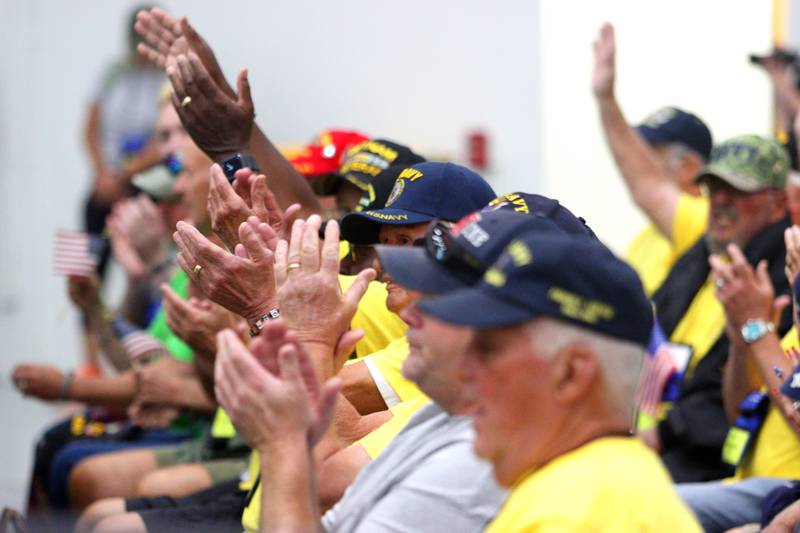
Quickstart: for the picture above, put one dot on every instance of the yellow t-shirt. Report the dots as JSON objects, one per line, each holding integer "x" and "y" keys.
{"x": 375, "y": 442}
{"x": 652, "y": 255}
{"x": 609, "y": 484}
{"x": 776, "y": 452}
{"x": 380, "y": 325}
{"x": 385, "y": 368}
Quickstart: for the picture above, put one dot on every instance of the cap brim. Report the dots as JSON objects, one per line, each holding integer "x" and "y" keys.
{"x": 475, "y": 307}
{"x": 157, "y": 183}
{"x": 412, "y": 268}
{"x": 363, "y": 227}
{"x": 736, "y": 181}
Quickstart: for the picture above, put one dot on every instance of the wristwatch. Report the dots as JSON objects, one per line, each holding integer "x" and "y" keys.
{"x": 237, "y": 161}
{"x": 756, "y": 328}
{"x": 272, "y": 314}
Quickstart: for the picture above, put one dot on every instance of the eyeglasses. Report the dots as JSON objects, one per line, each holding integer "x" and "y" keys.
{"x": 443, "y": 248}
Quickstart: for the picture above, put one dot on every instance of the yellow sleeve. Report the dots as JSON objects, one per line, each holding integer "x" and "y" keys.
{"x": 385, "y": 367}
{"x": 690, "y": 222}
{"x": 222, "y": 427}
{"x": 380, "y": 325}
{"x": 375, "y": 442}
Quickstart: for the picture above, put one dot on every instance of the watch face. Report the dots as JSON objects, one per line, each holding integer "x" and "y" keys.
{"x": 753, "y": 330}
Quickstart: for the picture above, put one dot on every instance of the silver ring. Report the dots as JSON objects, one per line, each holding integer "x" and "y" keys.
{"x": 796, "y": 406}
{"x": 719, "y": 282}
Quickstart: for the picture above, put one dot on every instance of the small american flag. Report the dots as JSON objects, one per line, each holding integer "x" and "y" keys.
{"x": 136, "y": 342}
{"x": 658, "y": 366}
{"x": 72, "y": 254}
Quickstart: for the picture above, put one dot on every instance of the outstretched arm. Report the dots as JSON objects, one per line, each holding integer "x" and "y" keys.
{"x": 653, "y": 191}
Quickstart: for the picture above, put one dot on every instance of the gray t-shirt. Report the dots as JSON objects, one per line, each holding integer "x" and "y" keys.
{"x": 427, "y": 479}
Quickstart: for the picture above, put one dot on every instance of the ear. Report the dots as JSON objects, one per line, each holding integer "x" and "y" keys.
{"x": 576, "y": 370}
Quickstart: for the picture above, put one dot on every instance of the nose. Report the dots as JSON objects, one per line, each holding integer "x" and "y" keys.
{"x": 376, "y": 265}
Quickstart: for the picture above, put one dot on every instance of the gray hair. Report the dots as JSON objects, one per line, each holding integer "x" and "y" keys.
{"x": 620, "y": 361}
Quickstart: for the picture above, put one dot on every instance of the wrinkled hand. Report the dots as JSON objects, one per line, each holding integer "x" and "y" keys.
{"x": 311, "y": 298}
{"x": 169, "y": 37}
{"x": 604, "y": 67}
{"x": 40, "y": 381}
{"x": 743, "y": 293}
{"x": 242, "y": 282}
{"x": 152, "y": 416}
{"x": 249, "y": 196}
{"x": 219, "y": 123}
{"x": 84, "y": 292}
{"x": 272, "y": 393}
{"x": 138, "y": 235}
{"x": 196, "y": 321}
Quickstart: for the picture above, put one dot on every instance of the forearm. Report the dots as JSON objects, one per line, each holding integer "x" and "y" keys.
{"x": 289, "y": 496}
{"x": 100, "y": 324}
{"x": 740, "y": 378}
{"x": 92, "y": 137}
{"x": 284, "y": 181}
{"x": 652, "y": 191}
{"x": 116, "y": 391}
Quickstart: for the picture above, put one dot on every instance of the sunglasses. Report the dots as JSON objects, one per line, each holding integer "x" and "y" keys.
{"x": 441, "y": 245}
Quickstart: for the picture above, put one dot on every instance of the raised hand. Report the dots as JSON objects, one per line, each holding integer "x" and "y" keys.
{"x": 219, "y": 123}
{"x": 744, "y": 293}
{"x": 242, "y": 282}
{"x": 604, "y": 67}
{"x": 168, "y": 37}
{"x": 310, "y": 298}
{"x": 138, "y": 235}
{"x": 231, "y": 205}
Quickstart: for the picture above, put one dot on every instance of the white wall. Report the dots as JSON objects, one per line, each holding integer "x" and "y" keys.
{"x": 421, "y": 72}
{"x": 687, "y": 53}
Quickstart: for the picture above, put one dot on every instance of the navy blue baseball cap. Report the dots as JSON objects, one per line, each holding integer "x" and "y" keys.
{"x": 421, "y": 193}
{"x": 454, "y": 256}
{"x": 541, "y": 206}
{"x": 673, "y": 125}
{"x": 541, "y": 274}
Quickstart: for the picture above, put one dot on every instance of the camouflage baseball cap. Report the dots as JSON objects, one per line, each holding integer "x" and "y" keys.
{"x": 749, "y": 163}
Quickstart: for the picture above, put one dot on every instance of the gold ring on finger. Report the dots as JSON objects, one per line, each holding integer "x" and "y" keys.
{"x": 197, "y": 269}
{"x": 292, "y": 266}
{"x": 186, "y": 101}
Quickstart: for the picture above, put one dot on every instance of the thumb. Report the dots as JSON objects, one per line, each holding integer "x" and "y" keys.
{"x": 347, "y": 343}
{"x": 243, "y": 88}
{"x": 780, "y": 303}
{"x": 358, "y": 288}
